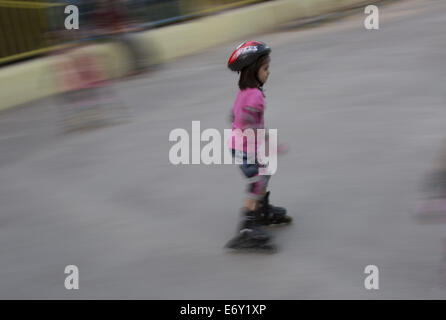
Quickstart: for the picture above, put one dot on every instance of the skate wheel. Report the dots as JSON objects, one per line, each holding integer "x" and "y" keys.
{"x": 265, "y": 249}
{"x": 242, "y": 243}
{"x": 279, "y": 224}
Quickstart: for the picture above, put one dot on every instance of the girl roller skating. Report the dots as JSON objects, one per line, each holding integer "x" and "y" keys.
{"x": 251, "y": 60}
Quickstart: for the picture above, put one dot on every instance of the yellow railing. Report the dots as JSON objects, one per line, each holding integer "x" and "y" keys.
{"x": 23, "y": 28}
{"x": 25, "y": 25}
{"x": 210, "y": 6}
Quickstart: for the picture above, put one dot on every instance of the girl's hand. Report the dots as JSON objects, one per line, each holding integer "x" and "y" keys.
{"x": 231, "y": 117}
{"x": 282, "y": 148}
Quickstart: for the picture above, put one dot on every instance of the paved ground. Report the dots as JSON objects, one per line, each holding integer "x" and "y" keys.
{"x": 363, "y": 113}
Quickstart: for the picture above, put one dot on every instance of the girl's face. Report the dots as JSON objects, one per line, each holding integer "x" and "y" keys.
{"x": 264, "y": 72}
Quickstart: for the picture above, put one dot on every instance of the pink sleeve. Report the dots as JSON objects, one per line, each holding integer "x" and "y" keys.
{"x": 253, "y": 109}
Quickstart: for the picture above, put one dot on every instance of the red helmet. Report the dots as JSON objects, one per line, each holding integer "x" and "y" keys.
{"x": 247, "y": 53}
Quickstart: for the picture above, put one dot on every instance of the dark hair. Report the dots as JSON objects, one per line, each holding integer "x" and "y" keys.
{"x": 248, "y": 75}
